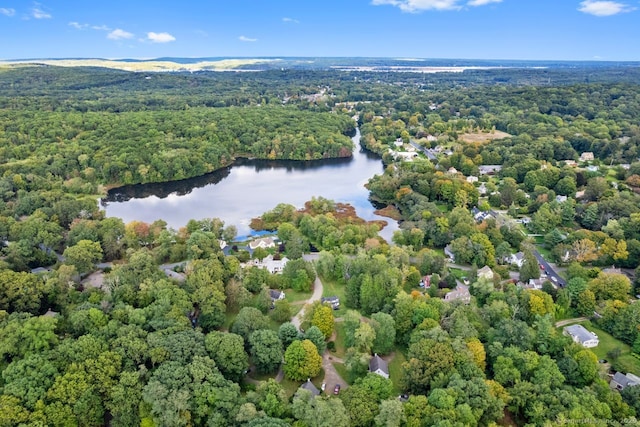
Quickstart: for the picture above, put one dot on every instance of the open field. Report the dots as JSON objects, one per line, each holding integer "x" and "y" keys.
{"x": 626, "y": 362}
{"x": 145, "y": 66}
{"x": 482, "y": 136}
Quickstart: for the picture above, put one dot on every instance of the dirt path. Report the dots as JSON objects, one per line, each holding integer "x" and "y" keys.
{"x": 315, "y": 296}
{"x": 568, "y": 321}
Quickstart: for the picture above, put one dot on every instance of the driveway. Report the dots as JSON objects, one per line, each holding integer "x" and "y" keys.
{"x": 567, "y": 321}
{"x": 315, "y": 296}
{"x": 331, "y": 376}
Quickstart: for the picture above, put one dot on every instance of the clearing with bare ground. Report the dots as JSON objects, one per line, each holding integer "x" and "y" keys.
{"x": 476, "y": 137}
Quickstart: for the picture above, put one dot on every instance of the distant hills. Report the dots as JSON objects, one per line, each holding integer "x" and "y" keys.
{"x": 172, "y": 64}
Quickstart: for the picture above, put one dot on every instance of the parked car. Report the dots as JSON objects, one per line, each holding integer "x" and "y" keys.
{"x": 336, "y": 389}
{"x": 323, "y": 386}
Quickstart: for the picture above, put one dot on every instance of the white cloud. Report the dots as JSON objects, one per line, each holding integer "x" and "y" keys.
{"x": 603, "y": 8}
{"x": 100, "y": 28}
{"x": 420, "y": 5}
{"x": 160, "y": 37}
{"x": 291, "y": 20}
{"x": 482, "y": 2}
{"x": 7, "y": 11}
{"x": 416, "y": 6}
{"x": 38, "y": 13}
{"x": 247, "y": 39}
{"x": 119, "y": 34}
{"x": 77, "y": 25}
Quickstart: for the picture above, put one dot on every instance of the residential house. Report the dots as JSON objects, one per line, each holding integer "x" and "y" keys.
{"x": 460, "y": 293}
{"x": 449, "y": 254}
{"x": 587, "y": 156}
{"x": 452, "y": 170}
{"x": 378, "y": 365}
{"x": 489, "y": 169}
{"x": 561, "y": 199}
{"x": 273, "y": 265}
{"x": 333, "y": 301}
{"x": 517, "y": 259}
{"x": 398, "y": 142}
{"x": 581, "y": 335}
{"x": 485, "y": 273}
{"x": 592, "y": 168}
{"x": 571, "y": 163}
{"x": 534, "y": 283}
{"x": 431, "y": 138}
{"x": 612, "y": 270}
{"x": 579, "y": 194}
{"x": 310, "y": 387}
{"x": 472, "y": 179}
{"x": 482, "y": 190}
{"x": 425, "y": 282}
{"x": 620, "y": 381}
{"x": 276, "y": 295}
{"x": 222, "y": 243}
{"x": 264, "y": 243}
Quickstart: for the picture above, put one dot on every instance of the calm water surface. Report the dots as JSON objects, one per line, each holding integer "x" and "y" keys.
{"x": 250, "y": 187}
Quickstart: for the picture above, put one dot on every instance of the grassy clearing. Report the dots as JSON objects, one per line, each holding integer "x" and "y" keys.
{"x": 340, "y": 346}
{"x": 295, "y": 296}
{"x": 342, "y": 370}
{"x": 395, "y": 370}
{"x": 333, "y": 288}
{"x": 626, "y": 362}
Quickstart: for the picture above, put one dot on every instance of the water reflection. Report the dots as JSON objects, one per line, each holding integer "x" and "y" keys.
{"x": 250, "y": 187}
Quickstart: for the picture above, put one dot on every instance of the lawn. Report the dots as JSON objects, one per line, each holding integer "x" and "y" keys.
{"x": 626, "y": 362}
{"x": 342, "y": 370}
{"x": 340, "y": 346}
{"x": 395, "y": 370}
{"x": 332, "y": 288}
{"x": 294, "y": 296}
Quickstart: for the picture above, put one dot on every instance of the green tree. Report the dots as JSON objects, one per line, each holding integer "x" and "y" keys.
{"x": 249, "y": 319}
{"x": 302, "y": 361}
{"x": 266, "y": 350}
{"x": 530, "y": 268}
{"x": 288, "y": 333}
{"x": 83, "y": 255}
{"x": 385, "y": 330}
{"x": 22, "y": 292}
{"x": 315, "y": 335}
{"x": 282, "y": 311}
{"x": 227, "y": 350}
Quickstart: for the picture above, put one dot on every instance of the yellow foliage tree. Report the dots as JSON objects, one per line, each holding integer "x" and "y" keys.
{"x": 477, "y": 351}
{"x": 323, "y": 319}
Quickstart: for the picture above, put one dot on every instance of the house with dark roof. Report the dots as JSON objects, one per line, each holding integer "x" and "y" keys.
{"x": 333, "y": 301}
{"x": 579, "y": 334}
{"x": 310, "y": 388}
{"x": 621, "y": 381}
{"x": 276, "y": 295}
{"x": 378, "y": 365}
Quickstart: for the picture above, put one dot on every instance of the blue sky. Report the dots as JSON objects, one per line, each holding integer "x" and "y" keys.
{"x": 483, "y": 29}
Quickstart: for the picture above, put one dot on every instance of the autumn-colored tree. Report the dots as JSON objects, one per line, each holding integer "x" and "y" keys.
{"x": 323, "y": 319}
{"x": 302, "y": 361}
{"x": 608, "y": 286}
{"x": 477, "y": 352}
{"x": 616, "y": 249}
{"x": 585, "y": 250}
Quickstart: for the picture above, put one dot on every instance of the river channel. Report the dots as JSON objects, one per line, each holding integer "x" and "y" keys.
{"x": 250, "y": 187}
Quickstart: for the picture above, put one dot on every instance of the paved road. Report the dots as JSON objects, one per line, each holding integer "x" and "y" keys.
{"x": 551, "y": 272}
{"x": 315, "y": 296}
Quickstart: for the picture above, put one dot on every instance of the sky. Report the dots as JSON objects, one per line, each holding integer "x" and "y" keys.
{"x": 469, "y": 29}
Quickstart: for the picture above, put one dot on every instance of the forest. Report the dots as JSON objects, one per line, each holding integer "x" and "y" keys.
{"x": 136, "y": 324}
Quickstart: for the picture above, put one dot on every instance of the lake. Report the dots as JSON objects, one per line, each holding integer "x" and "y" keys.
{"x": 249, "y": 188}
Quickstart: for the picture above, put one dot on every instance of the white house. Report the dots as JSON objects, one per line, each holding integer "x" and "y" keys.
{"x": 276, "y": 295}
{"x": 264, "y": 243}
{"x": 579, "y": 334}
{"x": 472, "y": 179}
{"x": 517, "y": 259}
{"x": 379, "y": 366}
{"x": 485, "y": 273}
